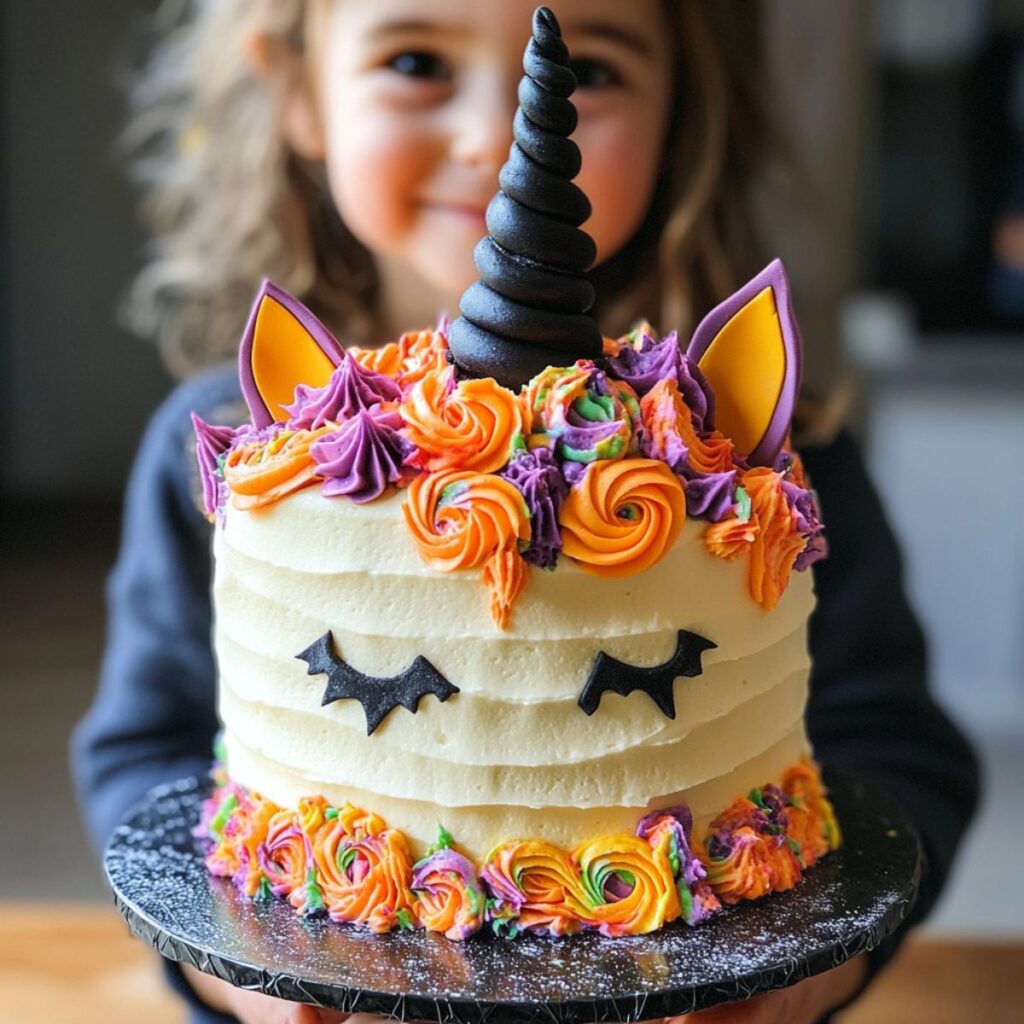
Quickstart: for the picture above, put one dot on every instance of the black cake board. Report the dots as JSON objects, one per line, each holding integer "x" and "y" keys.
{"x": 844, "y": 906}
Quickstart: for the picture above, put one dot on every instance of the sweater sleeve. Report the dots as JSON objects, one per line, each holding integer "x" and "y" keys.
{"x": 870, "y": 711}
{"x": 153, "y": 719}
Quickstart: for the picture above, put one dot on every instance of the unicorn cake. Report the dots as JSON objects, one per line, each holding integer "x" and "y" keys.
{"x": 510, "y": 618}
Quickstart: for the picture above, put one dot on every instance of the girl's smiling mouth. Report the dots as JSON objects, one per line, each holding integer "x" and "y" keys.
{"x": 467, "y": 212}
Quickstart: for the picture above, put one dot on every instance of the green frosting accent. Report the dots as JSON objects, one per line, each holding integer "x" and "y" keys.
{"x": 264, "y": 892}
{"x": 314, "y": 894}
{"x": 742, "y": 505}
{"x": 685, "y": 899}
{"x": 331, "y": 813}
{"x": 346, "y": 856}
{"x": 451, "y": 494}
{"x": 596, "y": 408}
{"x": 445, "y": 841}
{"x": 593, "y": 883}
{"x": 220, "y": 819}
{"x": 474, "y": 900}
{"x": 220, "y": 751}
{"x": 675, "y": 862}
{"x": 219, "y": 469}
{"x": 796, "y": 848}
{"x": 405, "y": 921}
{"x": 830, "y": 832}
{"x": 627, "y": 877}
{"x": 612, "y": 447}
{"x": 571, "y": 455}
{"x": 518, "y": 442}
{"x": 757, "y": 797}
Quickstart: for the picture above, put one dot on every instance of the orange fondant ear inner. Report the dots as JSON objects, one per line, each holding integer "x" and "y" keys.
{"x": 745, "y": 371}
{"x": 748, "y": 348}
{"x": 284, "y": 345}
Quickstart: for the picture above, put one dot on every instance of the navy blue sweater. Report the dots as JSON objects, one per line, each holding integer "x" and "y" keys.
{"x": 154, "y": 720}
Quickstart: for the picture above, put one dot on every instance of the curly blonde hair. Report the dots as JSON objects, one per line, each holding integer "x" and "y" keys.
{"x": 204, "y": 132}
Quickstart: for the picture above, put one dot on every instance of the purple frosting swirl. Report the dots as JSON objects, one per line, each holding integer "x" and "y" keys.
{"x": 647, "y": 362}
{"x": 351, "y": 389}
{"x": 211, "y": 443}
{"x": 361, "y": 458}
{"x": 446, "y": 860}
{"x": 808, "y": 524}
{"x": 536, "y": 475}
{"x": 709, "y": 495}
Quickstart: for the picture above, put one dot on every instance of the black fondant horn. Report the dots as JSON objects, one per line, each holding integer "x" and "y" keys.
{"x": 528, "y": 310}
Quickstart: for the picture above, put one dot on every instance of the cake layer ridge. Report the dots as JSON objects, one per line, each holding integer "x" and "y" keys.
{"x": 479, "y": 826}
{"x": 631, "y": 778}
{"x": 533, "y": 671}
{"x": 530, "y": 732}
{"x": 687, "y": 584}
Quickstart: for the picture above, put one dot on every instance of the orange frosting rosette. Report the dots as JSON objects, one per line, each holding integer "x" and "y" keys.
{"x": 538, "y": 885}
{"x": 746, "y": 874}
{"x": 666, "y": 417}
{"x": 769, "y": 536}
{"x": 812, "y": 819}
{"x": 748, "y": 854}
{"x": 236, "y": 851}
{"x": 471, "y": 426}
{"x": 623, "y": 516}
{"x": 459, "y": 520}
{"x": 407, "y": 360}
{"x": 260, "y": 474}
{"x": 463, "y": 520}
{"x": 364, "y": 880}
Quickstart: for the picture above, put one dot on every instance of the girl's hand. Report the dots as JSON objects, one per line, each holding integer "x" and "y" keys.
{"x": 803, "y": 1003}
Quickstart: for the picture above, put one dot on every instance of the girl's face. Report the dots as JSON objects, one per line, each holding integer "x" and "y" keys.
{"x": 415, "y": 102}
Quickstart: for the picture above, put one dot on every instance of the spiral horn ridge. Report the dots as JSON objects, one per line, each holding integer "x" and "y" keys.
{"x": 533, "y": 296}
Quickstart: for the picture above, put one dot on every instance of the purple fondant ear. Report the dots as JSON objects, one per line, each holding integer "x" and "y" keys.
{"x": 284, "y": 345}
{"x": 749, "y": 349}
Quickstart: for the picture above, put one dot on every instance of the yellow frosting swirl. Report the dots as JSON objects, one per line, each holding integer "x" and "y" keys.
{"x": 632, "y": 864}
{"x": 540, "y": 884}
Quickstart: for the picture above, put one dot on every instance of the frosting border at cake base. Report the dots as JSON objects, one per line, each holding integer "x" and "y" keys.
{"x": 347, "y": 863}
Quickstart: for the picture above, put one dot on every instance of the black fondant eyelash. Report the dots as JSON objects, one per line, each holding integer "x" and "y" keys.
{"x": 380, "y": 696}
{"x": 656, "y": 681}
{"x": 377, "y": 696}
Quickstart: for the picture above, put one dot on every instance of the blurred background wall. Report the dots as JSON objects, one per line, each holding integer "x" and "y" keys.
{"x": 77, "y": 389}
{"x": 907, "y": 249}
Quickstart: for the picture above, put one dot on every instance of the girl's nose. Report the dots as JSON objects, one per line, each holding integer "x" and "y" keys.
{"x": 482, "y": 123}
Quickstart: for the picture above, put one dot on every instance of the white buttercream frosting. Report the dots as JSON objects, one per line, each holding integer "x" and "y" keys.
{"x": 511, "y": 755}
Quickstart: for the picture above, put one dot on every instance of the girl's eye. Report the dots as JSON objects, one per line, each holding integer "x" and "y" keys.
{"x": 593, "y": 74}
{"x": 420, "y": 64}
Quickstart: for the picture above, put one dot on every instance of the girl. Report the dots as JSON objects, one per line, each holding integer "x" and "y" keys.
{"x": 348, "y": 150}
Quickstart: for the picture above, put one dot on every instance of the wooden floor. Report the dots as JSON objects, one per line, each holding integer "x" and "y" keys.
{"x": 64, "y": 963}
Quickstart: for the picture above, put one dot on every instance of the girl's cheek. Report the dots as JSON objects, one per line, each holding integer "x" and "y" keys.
{"x": 620, "y": 166}
{"x": 375, "y": 172}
